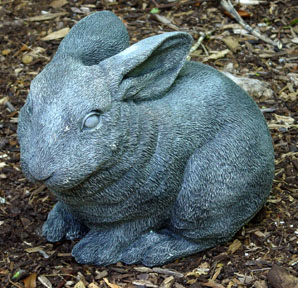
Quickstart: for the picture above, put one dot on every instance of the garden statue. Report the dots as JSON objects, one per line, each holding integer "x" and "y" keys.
{"x": 150, "y": 156}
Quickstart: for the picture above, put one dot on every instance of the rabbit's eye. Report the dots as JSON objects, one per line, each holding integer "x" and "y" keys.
{"x": 91, "y": 120}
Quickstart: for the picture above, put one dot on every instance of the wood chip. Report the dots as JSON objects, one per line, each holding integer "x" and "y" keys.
{"x": 144, "y": 283}
{"x": 58, "y": 3}
{"x": 101, "y": 274}
{"x": 45, "y": 17}
{"x": 168, "y": 272}
{"x": 217, "y": 55}
{"x": 27, "y": 59}
{"x": 236, "y": 245}
{"x": 143, "y": 269}
{"x": 45, "y": 281}
{"x": 56, "y": 35}
{"x": 110, "y": 284}
{"x": 168, "y": 282}
{"x": 232, "y": 43}
{"x": 80, "y": 284}
{"x": 211, "y": 284}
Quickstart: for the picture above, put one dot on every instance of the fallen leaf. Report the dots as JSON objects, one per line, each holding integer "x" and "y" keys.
{"x": 93, "y": 285}
{"x": 217, "y": 271}
{"x": 217, "y": 55}
{"x": 242, "y": 13}
{"x": 232, "y": 43}
{"x": 56, "y": 35}
{"x": 110, "y": 284}
{"x": 167, "y": 283}
{"x": 166, "y": 21}
{"x": 203, "y": 269}
{"x": 58, "y": 3}
{"x": 6, "y": 52}
{"x": 27, "y": 59}
{"x": 37, "y": 249}
{"x": 168, "y": 272}
{"x": 45, "y": 281}
{"x": 211, "y": 284}
{"x": 47, "y": 16}
{"x": 101, "y": 274}
{"x": 144, "y": 283}
{"x": 3, "y": 100}
{"x": 80, "y": 284}
{"x": 30, "y": 281}
{"x": 236, "y": 245}
{"x": 143, "y": 269}
{"x": 284, "y": 119}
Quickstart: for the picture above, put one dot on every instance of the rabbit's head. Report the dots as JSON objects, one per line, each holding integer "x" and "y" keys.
{"x": 77, "y": 117}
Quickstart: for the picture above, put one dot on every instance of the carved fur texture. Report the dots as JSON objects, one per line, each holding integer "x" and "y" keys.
{"x": 150, "y": 156}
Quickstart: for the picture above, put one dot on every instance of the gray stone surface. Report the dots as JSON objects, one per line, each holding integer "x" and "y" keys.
{"x": 151, "y": 157}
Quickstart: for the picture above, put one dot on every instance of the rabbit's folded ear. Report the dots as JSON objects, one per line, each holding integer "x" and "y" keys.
{"x": 147, "y": 69}
{"x": 95, "y": 38}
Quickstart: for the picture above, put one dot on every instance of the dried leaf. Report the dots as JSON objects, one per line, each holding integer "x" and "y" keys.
{"x": 6, "y": 52}
{"x": 242, "y": 13}
{"x": 143, "y": 269}
{"x": 45, "y": 281}
{"x": 144, "y": 283}
{"x": 167, "y": 283}
{"x": 58, "y": 3}
{"x": 211, "y": 284}
{"x": 80, "y": 284}
{"x": 56, "y": 35}
{"x": 3, "y": 100}
{"x": 37, "y": 249}
{"x": 232, "y": 43}
{"x": 101, "y": 274}
{"x": 168, "y": 272}
{"x": 217, "y": 272}
{"x": 203, "y": 269}
{"x": 93, "y": 285}
{"x": 284, "y": 119}
{"x": 110, "y": 284}
{"x": 217, "y": 55}
{"x": 30, "y": 281}
{"x": 27, "y": 59}
{"x": 166, "y": 21}
{"x": 47, "y": 16}
{"x": 236, "y": 245}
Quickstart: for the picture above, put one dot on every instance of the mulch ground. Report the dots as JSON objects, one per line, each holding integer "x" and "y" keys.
{"x": 263, "y": 254}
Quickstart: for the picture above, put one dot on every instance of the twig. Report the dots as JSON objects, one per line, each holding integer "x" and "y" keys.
{"x": 228, "y": 6}
{"x": 162, "y": 6}
{"x": 199, "y": 42}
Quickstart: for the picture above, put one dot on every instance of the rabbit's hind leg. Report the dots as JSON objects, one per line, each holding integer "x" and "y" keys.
{"x": 158, "y": 248}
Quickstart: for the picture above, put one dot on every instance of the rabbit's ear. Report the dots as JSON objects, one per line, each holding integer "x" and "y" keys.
{"x": 95, "y": 38}
{"x": 148, "y": 68}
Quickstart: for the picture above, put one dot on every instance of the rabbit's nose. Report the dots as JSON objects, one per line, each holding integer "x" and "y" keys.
{"x": 38, "y": 172}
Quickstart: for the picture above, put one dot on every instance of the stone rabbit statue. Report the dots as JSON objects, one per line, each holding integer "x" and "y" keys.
{"x": 150, "y": 156}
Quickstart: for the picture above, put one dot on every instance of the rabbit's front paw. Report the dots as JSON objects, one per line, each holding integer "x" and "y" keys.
{"x": 98, "y": 248}
{"x": 61, "y": 224}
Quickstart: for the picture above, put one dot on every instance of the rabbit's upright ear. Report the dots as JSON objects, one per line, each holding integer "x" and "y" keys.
{"x": 95, "y": 38}
{"x": 148, "y": 68}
